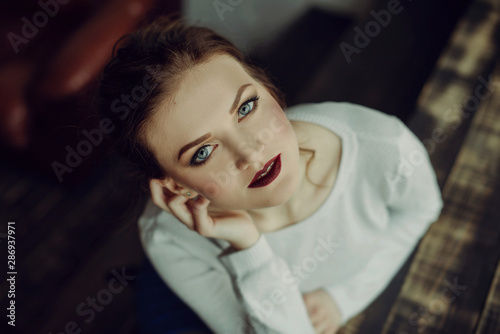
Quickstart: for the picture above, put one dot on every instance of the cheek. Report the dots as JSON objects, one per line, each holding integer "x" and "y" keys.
{"x": 210, "y": 190}
{"x": 279, "y": 124}
{"x": 214, "y": 184}
{"x": 274, "y": 125}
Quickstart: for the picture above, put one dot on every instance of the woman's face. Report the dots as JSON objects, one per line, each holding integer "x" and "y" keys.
{"x": 215, "y": 135}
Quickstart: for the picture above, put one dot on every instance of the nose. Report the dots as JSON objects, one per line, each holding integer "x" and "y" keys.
{"x": 248, "y": 155}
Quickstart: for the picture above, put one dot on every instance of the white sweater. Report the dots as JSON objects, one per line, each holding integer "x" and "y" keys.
{"x": 384, "y": 199}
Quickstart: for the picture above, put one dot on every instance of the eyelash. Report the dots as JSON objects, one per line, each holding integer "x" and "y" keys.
{"x": 254, "y": 98}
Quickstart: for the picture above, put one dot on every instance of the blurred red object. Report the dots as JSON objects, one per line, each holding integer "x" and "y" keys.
{"x": 50, "y": 59}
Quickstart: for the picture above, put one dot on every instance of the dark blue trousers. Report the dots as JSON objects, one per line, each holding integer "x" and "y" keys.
{"x": 159, "y": 310}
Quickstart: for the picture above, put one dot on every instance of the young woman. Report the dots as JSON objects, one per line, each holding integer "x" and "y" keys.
{"x": 262, "y": 218}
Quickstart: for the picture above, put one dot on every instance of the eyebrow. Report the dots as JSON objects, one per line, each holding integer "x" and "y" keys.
{"x": 208, "y": 135}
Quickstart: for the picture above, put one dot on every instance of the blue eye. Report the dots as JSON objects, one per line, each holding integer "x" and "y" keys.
{"x": 248, "y": 106}
{"x": 204, "y": 153}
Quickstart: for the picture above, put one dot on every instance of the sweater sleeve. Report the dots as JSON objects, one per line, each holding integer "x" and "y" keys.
{"x": 258, "y": 281}
{"x": 413, "y": 205}
{"x": 252, "y": 299}
{"x": 206, "y": 290}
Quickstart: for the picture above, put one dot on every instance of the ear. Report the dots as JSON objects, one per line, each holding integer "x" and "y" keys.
{"x": 159, "y": 194}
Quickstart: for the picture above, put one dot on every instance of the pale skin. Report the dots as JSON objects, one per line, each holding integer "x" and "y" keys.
{"x": 239, "y": 144}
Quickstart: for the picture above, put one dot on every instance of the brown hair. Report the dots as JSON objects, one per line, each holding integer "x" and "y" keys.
{"x": 162, "y": 50}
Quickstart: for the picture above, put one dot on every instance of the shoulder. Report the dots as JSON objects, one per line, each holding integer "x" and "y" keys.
{"x": 375, "y": 143}
{"x": 370, "y": 137}
{"x": 364, "y": 121}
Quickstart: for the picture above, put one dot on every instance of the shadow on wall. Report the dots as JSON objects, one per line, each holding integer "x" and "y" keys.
{"x": 374, "y": 53}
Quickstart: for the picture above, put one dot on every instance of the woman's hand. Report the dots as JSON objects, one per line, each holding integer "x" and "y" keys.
{"x": 235, "y": 226}
{"x": 323, "y": 311}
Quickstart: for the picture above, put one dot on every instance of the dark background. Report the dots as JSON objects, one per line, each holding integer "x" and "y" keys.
{"x": 71, "y": 235}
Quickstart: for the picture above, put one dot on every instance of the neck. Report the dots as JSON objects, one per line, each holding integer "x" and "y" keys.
{"x": 272, "y": 218}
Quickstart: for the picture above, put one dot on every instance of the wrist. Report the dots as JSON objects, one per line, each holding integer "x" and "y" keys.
{"x": 247, "y": 243}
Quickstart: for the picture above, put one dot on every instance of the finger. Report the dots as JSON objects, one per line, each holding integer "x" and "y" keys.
{"x": 316, "y": 317}
{"x": 332, "y": 329}
{"x": 321, "y": 326}
{"x": 200, "y": 202}
{"x": 178, "y": 207}
{"x": 202, "y": 223}
{"x": 310, "y": 307}
{"x": 307, "y": 303}
{"x": 310, "y": 299}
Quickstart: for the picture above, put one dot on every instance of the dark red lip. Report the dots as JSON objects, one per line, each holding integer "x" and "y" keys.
{"x": 264, "y": 169}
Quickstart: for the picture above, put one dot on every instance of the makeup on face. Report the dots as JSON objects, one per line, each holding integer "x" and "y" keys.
{"x": 227, "y": 139}
{"x": 268, "y": 174}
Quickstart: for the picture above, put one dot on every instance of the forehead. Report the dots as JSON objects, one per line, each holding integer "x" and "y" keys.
{"x": 206, "y": 91}
{"x": 211, "y": 79}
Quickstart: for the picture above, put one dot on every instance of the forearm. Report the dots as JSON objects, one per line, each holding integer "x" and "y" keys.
{"x": 271, "y": 305}
{"x": 245, "y": 243}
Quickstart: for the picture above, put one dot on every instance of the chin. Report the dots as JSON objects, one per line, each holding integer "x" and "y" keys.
{"x": 284, "y": 191}
{"x": 289, "y": 188}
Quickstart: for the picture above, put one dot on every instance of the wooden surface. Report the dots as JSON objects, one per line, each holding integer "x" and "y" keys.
{"x": 451, "y": 284}
{"x": 70, "y": 239}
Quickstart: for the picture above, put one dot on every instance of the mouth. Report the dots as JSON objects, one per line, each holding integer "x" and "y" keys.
{"x": 267, "y": 174}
